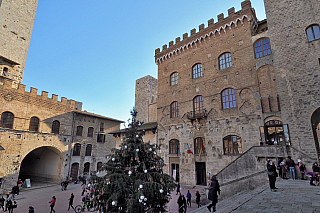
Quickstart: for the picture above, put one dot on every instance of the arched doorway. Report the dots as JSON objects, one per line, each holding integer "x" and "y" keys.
{"x": 274, "y": 132}
{"x": 74, "y": 171}
{"x": 315, "y": 122}
{"x": 43, "y": 164}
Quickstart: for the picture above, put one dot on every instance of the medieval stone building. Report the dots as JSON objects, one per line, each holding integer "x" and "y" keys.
{"x": 227, "y": 94}
{"x": 41, "y": 138}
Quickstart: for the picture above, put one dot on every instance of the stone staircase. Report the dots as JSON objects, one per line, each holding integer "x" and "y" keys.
{"x": 232, "y": 203}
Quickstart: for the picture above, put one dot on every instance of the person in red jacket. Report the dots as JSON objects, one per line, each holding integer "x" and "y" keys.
{"x": 52, "y": 203}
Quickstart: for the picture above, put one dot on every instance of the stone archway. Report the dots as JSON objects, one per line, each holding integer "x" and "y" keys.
{"x": 42, "y": 164}
{"x": 315, "y": 123}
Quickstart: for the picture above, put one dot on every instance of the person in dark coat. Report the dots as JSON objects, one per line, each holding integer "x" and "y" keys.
{"x": 291, "y": 164}
{"x": 10, "y": 206}
{"x": 272, "y": 174}
{"x": 2, "y": 203}
{"x": 71, "y": 201}
{"x": 178, "y": 189}
{"x": 214, "y": 189}
{"x": 198, "y": 198}
{"x": 182, "y": 203}
{"x": 279, "y": 166}
{"x": 315, "y": 167}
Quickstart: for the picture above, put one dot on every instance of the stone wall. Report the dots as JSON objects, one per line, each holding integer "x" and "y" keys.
{"x": 146, "y": 99}
{"x": 297, "y": 70}
{"x": 249, "y": 170}
{"x": 16, "y": 21}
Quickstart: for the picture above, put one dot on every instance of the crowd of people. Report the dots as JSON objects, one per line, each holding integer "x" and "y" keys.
{"x": 185, "y": 202}
{"x": 287, "y": 169}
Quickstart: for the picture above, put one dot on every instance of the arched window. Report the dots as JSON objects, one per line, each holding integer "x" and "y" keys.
{"x": 174, "y": 109}
{"x": 90, "y": 132}
{"x": 34, "y": 124}
{"x": 262, "y": 47}
{"x": 232, "y": 145}
{"x": 197, "y": 71}
{"x": 228, "y": 98}
{"x": 174, "y": 146}
{"x": 88, "y": 150}
{"x": 7, "y": 120}
{"x": 86, "y": 168}
{"x": 174, "y": 78}
{"x": 99, "y": 165}
{"x": 198, "y": 144}
{"x": 76, "y": 149}
{"x": 55, "y": 127}
{"x": 79, "y": 130}
{"x": 313, "y": 32}
{"x": 198, "y": 105}
{"x": 225, "y": 61}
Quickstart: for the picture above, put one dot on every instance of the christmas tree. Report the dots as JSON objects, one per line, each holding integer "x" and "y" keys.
{"x": 134, "y": 180}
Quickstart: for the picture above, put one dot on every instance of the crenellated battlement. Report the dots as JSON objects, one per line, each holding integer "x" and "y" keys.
{"x": 7, "y": 84}
{"x": 233, "y": 18}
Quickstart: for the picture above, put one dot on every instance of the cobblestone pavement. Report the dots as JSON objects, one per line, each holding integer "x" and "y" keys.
{"x": 39, "y": 197}
{"x": 292, "y": 196}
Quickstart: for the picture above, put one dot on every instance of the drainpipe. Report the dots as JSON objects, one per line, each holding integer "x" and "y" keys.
{"x": 72, "y": 139}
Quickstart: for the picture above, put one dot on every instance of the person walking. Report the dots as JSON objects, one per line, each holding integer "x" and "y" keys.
{"x": 198, "y": 198}
{"x": 302, "y": 168}
{"x": 272, "y": 175}
{"x": 290, "y": 163}
{"x": 52, "y": 203}
{"x": 71, "y": 202}
{"x": 189, "y": 198}
{"x": 2, "y": 202}
{"x": 214, "y": 190}
{"x": 178, "y": 188}
{"x": 11, "y": 205}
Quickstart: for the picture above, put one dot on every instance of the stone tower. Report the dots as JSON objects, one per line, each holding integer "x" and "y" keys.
{"x": 16, "y": 23}
{"x": 296, "y": 60}
{"x": 145, "y": 99}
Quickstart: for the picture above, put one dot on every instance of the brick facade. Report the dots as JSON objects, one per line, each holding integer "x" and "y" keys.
{"x": 259, "y": 101}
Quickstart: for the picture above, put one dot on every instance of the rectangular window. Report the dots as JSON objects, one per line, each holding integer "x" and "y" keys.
{"x": 101, "y": 138}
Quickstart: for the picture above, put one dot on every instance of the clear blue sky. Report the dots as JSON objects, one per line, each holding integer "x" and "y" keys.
{"x": 93, "y": 51}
